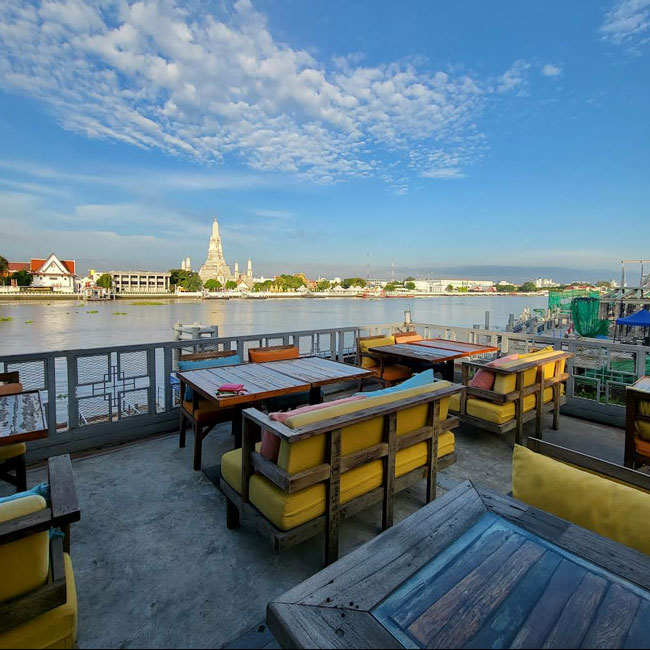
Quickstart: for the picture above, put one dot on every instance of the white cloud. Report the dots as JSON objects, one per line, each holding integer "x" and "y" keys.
{"x": 443, "y": 173}
{"x": 273, "y": 214}
{"x": 628, "y": 23}
{"x": 217, "y": 87}
{"x": 551, "y": 70}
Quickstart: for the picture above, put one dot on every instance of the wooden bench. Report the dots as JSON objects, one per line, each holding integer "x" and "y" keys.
{"x": 637, "y": 424}
{"x": 518, "y": 370}
{"x": 335, "y": 465}
{"x": 387, "y": 374}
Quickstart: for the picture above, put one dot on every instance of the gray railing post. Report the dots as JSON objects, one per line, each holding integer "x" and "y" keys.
{"x": 151, "y": 371}
{"x": 167, "y": 386}
{"x": 73, "y": 406}
{"x": 341, "y": 347}
{"x": 50, "y": 374}
{"x": 333, "y": 345}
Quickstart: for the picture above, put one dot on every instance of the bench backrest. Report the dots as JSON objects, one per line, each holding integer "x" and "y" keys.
{"x": 364, "y": 343}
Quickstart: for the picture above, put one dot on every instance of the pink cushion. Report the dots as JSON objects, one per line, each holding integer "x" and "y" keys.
{"x": 271, "y": 444}
{"x": 484, "y": 379}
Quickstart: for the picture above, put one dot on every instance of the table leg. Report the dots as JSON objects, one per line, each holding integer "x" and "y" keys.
{"x": 237, "y": 427}
{"x": 448, "y": 370}
{"x": 315, "y": 395}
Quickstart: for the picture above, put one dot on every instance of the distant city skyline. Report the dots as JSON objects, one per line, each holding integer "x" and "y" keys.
{"x": 492, "y": 141}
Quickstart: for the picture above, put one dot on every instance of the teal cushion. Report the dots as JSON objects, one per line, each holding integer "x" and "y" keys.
{"x": 206, "y": 363}
{"x": 42, "y": 490}
{"x": 421, "y": 379}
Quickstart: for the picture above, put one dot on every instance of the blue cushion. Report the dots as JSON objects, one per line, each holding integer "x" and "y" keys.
{"x": 42, "y": 490}
{"x": 421, "y": 379}
{"x": 205, "y": 363}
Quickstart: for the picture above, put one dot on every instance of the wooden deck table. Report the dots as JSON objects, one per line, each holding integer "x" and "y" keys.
{"x": 263, "y": 381}
{"x": 22, "y": 418}
{"x": 439, "y": 353}
{"x": 473, "y": 569}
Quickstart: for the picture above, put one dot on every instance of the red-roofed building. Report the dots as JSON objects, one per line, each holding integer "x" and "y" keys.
{"x": 53, "y": 272}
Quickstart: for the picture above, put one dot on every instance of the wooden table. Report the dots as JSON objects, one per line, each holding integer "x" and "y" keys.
{"x": 22, "y": 418}
{"x": 263, "y": 381}
{"x": 439, "y": 353}
{"x": 473, "y": 569}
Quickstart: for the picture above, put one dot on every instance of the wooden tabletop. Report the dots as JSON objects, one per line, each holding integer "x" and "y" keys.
{"x": 473, "y": 569}
{"x": 318, "y": 371}
{"x": 22, "y": 418}
{"x": 641, "y": 385}
{"x": 465, "y": 349}
{"x": 272, "y": 379}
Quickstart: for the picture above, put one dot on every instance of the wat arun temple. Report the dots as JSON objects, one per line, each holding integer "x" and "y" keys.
{"x": 215, "y": 267}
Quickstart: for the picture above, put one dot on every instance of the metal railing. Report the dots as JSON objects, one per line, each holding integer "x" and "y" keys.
{"x": 100, "y": 396}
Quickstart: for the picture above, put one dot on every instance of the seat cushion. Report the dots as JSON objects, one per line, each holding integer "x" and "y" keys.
{"x": 642, "y": 447}
{"x": 484, "y": 379}
{"x": 262, "y": 355}
{"x": 54, "y": 629}
{"x": 454, "y": 403}
{"x": 11, "y": 451}
{"x": 396, "y": 372}
{"x": 496, "y": 413}
{"x": 231, "y": 467}
{"x": 616, "y": 511}
{"x": 24, "y": 564}
{"x": 207, "y": 411}
{"x": 642, "y": 426}
{"x": 287, "y": 511}
{"x": 504, "y": 384}
{"x": 406, "y": 337}
{"x": 364, "y": 347}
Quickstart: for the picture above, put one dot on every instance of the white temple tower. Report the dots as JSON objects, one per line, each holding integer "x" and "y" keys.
{"x": 215, "y": 267}
{"x": 236, "y": 270}
{"x": 249, "y": 271}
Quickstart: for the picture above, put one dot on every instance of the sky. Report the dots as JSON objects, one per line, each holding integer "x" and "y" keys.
{"x": 499, "y": 140}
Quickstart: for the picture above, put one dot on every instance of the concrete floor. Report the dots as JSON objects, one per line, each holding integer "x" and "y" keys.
{"x": 156, "y": 567}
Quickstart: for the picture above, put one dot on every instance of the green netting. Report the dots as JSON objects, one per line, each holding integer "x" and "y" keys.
{"x": 562, "y": 299}
{"x": 584, "y": 312}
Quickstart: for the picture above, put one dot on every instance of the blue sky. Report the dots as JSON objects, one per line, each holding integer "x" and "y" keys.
{"x": 490, "y": 139}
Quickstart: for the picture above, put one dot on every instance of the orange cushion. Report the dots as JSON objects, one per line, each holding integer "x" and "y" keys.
{"x": 206, "y": 411}
{"x": 396, "y": 372}
{"x": 642, "y": 447}
{"x": 262, "y": 355}
{"x": 406, "y": 337}
{"x": 10, "y": 389}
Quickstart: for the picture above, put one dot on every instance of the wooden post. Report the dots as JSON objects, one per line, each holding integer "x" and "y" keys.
{"x": 463, "y": 395}
{"x": 433, "y": 421}
{"x": 630, "y": 428}
{"x": 390, "y": 437}
{"x": 249, "y": 429}
{"x": 333, "y": 496}
{"x": 557, "y": 395}
{"x": 540, "y": 403}
{"x": 519, "y": 409}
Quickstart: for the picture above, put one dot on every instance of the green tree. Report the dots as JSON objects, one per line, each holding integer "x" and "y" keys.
{"x": 262, "y": 286}
{"x": 409, "y": 279}
{"x": 604, "y": 283}
{"x": 353, "y": 282}
{"x": 22, "y": 278}
{"x": 188, "y": 280}
{"x": 506, "y": 288}
{"x": 105, "y": 280}
{"x": 213, "y": 285}
{"x": 231, "y": 284}
{"x": 410, "y": 285}
{"x": 528, "y": 287}
{"x": 323, "y": 285}
{"x": 390, "y": 286}
{"x": 4, "y": 267}
{"x": 450, "y": 288}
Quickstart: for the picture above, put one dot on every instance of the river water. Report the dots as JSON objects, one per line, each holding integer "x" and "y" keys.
{"x": 37, "y": 326}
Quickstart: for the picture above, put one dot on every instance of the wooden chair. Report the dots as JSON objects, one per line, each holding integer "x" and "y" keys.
{"x": 637, "y": 418}
{"x": 199, "y": 413}
{"x": 45, "y": 615}
{"x": 528, "y": 385}
{"x": 388, "y": 374}
{"x": 409, "y": 449}
{"x": 13, "y": 469}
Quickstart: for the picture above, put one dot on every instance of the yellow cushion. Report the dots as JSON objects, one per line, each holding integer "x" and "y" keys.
{"x": 54, "y": 629}
{"x": 642, "y": 426}
{"x": 504, "y": 384}
{"x": 298, "y": 456}
{"x": 231, "y": 467}
{"x": 454, "y": 403}
{"x": 496, "y": 413}
{"x": 287, "y": 511}
{"x": 364, "y": 346}
{"x": 11, "y": 451}
{"x": 24, "y": 564}
{"x": 616, "y": 511}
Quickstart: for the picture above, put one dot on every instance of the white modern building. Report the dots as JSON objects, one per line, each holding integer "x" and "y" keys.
{"x": 542, "y": 283}
{"x": 140, "y": 281}
{"x": 440, "y": 285}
